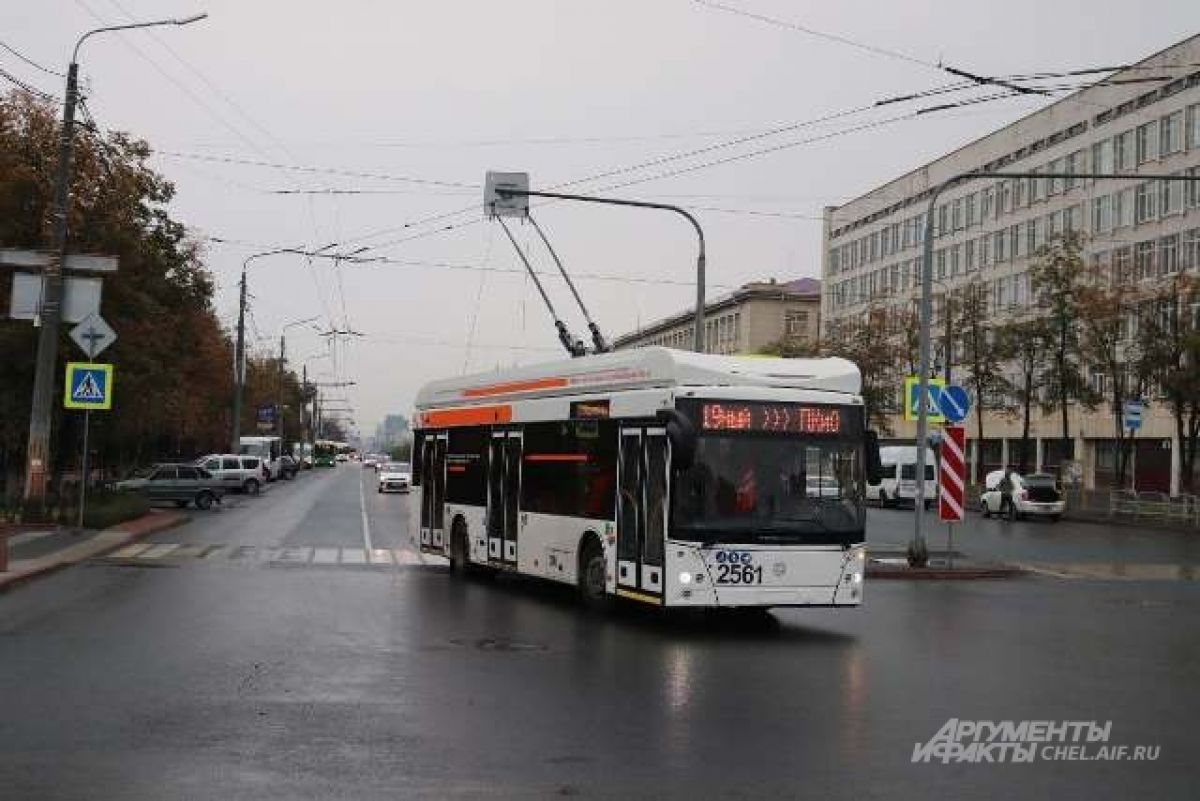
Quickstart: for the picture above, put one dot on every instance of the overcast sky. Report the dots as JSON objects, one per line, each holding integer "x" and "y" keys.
{"x": 443, "y": 91}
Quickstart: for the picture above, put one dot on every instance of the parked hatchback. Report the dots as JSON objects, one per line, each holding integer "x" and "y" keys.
{"x": 180, "y": 483}
{"x": 235, "y": 472}
{"x": 1016, "y": 496}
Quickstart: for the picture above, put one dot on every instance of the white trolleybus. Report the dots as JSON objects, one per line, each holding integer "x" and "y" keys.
{"x": 657, "y": 475}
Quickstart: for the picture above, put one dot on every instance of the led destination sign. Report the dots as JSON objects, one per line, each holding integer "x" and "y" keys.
{"x": 789, "y": 418}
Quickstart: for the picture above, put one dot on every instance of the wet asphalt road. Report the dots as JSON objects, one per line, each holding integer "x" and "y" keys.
{"x": 234, "y": 678}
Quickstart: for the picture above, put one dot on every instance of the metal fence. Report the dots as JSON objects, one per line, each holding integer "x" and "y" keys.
{"x": 1149, "y": 507}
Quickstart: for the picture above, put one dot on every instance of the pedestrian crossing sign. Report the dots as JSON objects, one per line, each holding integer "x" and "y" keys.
{"x": 88, "y": 386}
{"x": 912, "y": 393}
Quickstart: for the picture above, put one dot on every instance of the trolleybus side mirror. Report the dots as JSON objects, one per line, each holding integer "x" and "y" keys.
{"x": 872, "y": 461}
{"x": 682, "y": 435}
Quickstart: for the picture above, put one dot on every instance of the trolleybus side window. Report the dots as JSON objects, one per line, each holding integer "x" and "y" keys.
{"x": 570, "y": 469}
{"x": 466, "y": 466}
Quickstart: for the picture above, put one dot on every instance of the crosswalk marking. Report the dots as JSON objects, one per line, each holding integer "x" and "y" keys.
{"x": 325, "y": 556}
{"x": 319, "y": 557}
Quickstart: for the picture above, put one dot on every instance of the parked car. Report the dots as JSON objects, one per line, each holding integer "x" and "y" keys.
{"x": 341, "y": 457}
{"x": 1015, "y": 496}
{"x": 288, "y": 467}
{"x": 181, "y": 483}
{"x": 236, "y": 472}
{"x": 395, "y": 476}
{"x": 823, "y": 487}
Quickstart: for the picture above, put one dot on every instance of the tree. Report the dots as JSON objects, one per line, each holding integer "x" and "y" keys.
{"x": 1169, "y": 360}
{"x": 789, "y": 347}
{"x": 174, "y": 376}
{"x": 870, "y": 344}
{"x": 979, "y": 353}
{"x": 1104, "y": 309}
{"x": 1025, "y": 344}
{"x": 1056, "y": 278}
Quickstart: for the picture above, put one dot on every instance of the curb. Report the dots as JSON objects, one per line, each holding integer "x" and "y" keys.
{"x": 943, "y": 573}
{"x": 104, "y": 542}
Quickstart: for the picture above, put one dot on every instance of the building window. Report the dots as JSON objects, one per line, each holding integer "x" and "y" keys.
{"x": 985, "y": 251}
{"x": 1014, "y": 241}
{"x": 956, "y": 214}
{"x": 1145, "y": 203}
{"x": 1123, "y": 151}
{"x": 796, "y": 323}
{"x": 1170, "y": 134}
{"x": 985, "y": 204}
{"x": 1143, "y": 260}
{"x": 1000, "y": 243}
{"x": 1123, "y": 208}
{"x": 943, "y": 220}
{"x": 1123, "y": 264}
{"x": 1102, "y": 156}
{"x": 1168, "y": 254}
{"x": 1193, "y": 124}
{"x": 1147, "y": 142}
{"x": 971, "y": 200}
{"x": 1170, "y": 197}
{"x": 969, "y": 256}
{"x": 1020, "y": 196}
{"x": 1031, "y": 236}
{"x": 1003, "y": 199}
{"x": 1056, "y": 184}
{"x": 1037, "y": 189}
{"x": 954, "y": 260}
{"x": 1073, "y": 218}
{"x": 1192, "y": 188}
{"x": 1101, "y": 215}
{"x": 941, "y": 263}
{"x": 1189, "y": 253}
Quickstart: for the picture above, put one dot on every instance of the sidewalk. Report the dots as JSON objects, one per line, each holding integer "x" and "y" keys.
{"x": 33, "y": 553}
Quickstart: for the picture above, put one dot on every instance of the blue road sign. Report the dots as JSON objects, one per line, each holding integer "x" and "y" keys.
{"x": 88, "y": 386}
{"x": 912, "y": 399}
{"x": 954, "y": 403}
{"x": 1133, "y": 414}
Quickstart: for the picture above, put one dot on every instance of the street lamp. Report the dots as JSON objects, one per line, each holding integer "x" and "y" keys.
{"x": 50, "y": 312}
{"x": 282, "y": 361}
{"x": 239, "y": 357}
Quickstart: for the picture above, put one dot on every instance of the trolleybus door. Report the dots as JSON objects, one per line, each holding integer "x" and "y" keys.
{"x": 433, "y": 490}
{"x": 642, "y": 504}
{"x": 504, "y": 491}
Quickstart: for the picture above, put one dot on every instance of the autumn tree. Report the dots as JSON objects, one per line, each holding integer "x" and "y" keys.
{"x": 870, "y": 344}
{"x": 1024, "y": 345}
{"x": 1056, "y": 278}
{"x": 978, "y": 352}
{"x": 1169, "y": 360}
{"x": 1104, "y": 309}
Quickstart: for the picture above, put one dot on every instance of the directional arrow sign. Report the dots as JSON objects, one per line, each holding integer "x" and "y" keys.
{"x": 954, "y": 403}
{"x": 93, "y": 335}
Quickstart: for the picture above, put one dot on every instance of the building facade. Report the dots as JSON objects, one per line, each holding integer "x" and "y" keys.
{"x": 1143, "y": 119}
{"x": 754, "y": 316}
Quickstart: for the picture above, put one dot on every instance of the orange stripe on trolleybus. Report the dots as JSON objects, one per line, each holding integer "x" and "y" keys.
{"x": 473, "y": 416}
{"x": 512, "y": 387}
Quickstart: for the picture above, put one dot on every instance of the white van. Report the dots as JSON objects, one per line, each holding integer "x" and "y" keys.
{"x": 237, "y": 473}
{"x": 898, "y": 483}
{"x": 269, "y": 449}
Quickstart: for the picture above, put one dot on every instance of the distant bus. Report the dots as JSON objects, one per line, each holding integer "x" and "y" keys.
{"x": 269, "y": 449}
{"x": 666, "y": 477}
{"x": 325, "y": 453}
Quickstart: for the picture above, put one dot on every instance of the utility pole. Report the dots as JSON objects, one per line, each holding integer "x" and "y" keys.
{"x": 239, "y": 366}
{"x": 279, "y": 393}
{"x": 37, "y": 452}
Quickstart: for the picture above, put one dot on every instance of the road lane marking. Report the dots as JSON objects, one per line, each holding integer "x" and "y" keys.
{"x": 381, "y": 556}
{"x": 157, "y": 551}
{"x": 292, "y": 556}
{"x": 366, "y": 524}
{"x": 407, "y": 557}
{"x": 130, "y": 551}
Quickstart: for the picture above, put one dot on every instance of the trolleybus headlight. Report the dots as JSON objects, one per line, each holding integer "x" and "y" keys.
{"x": 685, "y": 578}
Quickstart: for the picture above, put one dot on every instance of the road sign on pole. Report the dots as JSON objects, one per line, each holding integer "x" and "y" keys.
{"x": 88, "y": 386}
{"x": 952, "y": 475}
{"x": 954, "y": 403}
{"x": 1133, "y": 414}
{"x": 912, "y": 392}
{"x": 93, "y": 335}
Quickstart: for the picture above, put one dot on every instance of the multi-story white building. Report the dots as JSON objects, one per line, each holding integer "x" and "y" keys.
{"x": 987, "y": 231}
